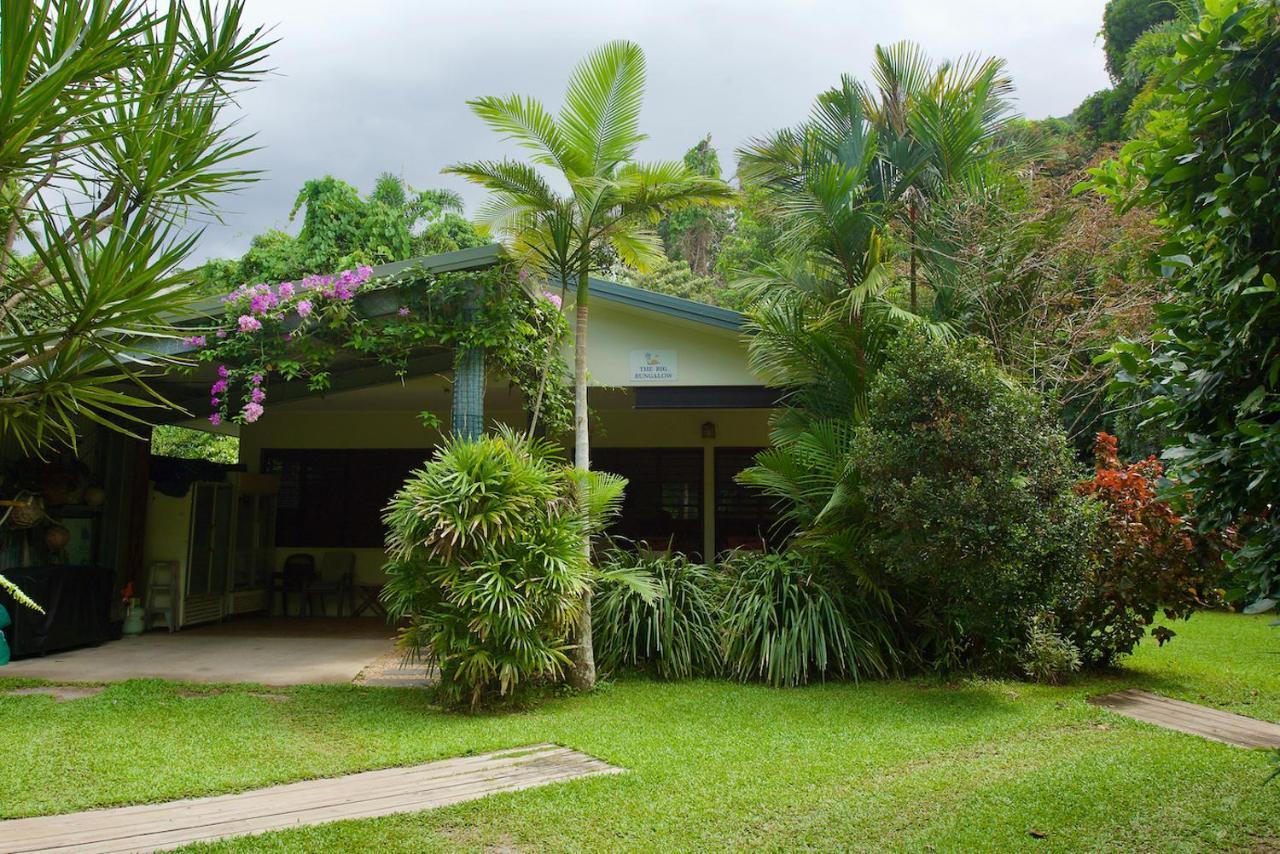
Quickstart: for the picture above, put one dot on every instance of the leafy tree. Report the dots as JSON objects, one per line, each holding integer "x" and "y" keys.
{"x": 1206, "y": 162}
{"x": 968, "y": 516}
{"x": 612, "y": 203}
{"x": 693, "y": 235}
{"x": 1124, "y": 22}
{"x": 675, "y": 278}
{"x": 112, "y": 140}
{"x": 341, "y": 230}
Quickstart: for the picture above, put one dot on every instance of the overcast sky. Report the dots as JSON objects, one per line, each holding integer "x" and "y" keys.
{"x": 363, "y": 86}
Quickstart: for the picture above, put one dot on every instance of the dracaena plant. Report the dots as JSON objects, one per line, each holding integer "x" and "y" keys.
{"x": 113, "y": 140}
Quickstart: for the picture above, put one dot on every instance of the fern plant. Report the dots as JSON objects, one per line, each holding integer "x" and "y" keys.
{"x": 786, "y": 624}
{"x": 486, "y": 562}
{"x": 675, "y": 633}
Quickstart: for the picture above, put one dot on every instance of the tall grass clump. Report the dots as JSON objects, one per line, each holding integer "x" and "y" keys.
{"x": 786, "y": 623}
{"x": 673, "y": 634}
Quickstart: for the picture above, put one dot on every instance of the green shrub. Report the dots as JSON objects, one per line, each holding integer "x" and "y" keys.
{"x": 786, "y": 623}
{"x": 1048, "y": 657}
{"x": 486, "y": 561}
{"x": 675, "y": 634}
{"x": 969, "y": 519}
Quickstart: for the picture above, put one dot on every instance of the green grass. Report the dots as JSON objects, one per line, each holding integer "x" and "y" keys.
{"x": 909, "y": 765}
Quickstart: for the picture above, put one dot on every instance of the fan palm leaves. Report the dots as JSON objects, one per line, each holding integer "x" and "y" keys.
{"x": 603, "y": 201}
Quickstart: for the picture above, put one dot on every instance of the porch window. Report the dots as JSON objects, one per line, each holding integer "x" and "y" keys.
{"x": 745, "y": 517}
{"x": 334, "y": 498}
{"x": 663, "y": 503}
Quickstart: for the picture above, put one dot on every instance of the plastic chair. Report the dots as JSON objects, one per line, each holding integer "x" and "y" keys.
{"x": 296, "y": 576}
{"x": 162, "y": 595}
{"x": 337, "y": 578}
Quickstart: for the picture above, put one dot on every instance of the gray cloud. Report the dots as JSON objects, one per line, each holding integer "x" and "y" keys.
{"x": 381, "y": 84}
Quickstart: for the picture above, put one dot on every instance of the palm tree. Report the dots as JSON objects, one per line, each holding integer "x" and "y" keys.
{"x": 937, "y": 126}
{"x": 612, "y": 204}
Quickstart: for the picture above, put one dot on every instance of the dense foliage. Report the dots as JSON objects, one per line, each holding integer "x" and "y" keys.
{"x": 485, "y": 561}
{"x": 1207, "y": 162}
{"x": 341, "y": 230}
{"x": 787, "y": 622}
{"x": 1124, "y": 22}
{"x": 1147, "y": 559}
{"x": 675, "y": 633}
{"x": 965, "y": 508}
{"x": 168, "y": 440}
{"x": 95, "y": 201}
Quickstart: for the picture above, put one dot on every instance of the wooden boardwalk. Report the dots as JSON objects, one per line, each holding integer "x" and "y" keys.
{"x": 1191, "y": 718}
{"x": 157, "y": 827}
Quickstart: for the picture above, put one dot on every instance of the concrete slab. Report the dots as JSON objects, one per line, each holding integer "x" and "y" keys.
{"x": 263, "y": 652}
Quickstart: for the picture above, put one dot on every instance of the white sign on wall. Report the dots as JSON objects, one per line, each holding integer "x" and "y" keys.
{"x": 653, "y": 366}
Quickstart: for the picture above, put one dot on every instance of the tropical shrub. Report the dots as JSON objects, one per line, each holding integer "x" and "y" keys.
{"x": 1147, "y": 559}
{"x": 969, "y": 518}
{"x": 486, "y": 562}
{"x": 675, "y": 633}
{"x": 1206, "y": 162}
{"x": 786, "y": 622}
{"x": 1048, "y": 657}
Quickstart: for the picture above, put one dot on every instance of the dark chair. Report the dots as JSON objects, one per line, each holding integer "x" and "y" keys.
{"x": 297, "y": 576}
{"x": 337, "y": 579}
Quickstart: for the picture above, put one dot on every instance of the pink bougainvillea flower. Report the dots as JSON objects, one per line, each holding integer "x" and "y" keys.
{"x": 248, "y": 323}
{"x": 256, "y": 379}
{"x": 304, "y": 308}
{"x": 257, "y": 395}
{"x": 195, "y": 340}
{"x": 552, "y": 298}
{"x": 252, "y": 412}
{"x": 285, "y": 291}
{"x": 223, "y": 372}
{"x": 215, "y": 419}
{"x": 219, "y": 387}
{"x": 222, "y": 333}
{"x": 214, "y": 403}
{"x": 404, "y": 311}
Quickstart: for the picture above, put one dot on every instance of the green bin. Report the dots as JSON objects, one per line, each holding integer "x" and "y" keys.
{"x": 5, "y": 622}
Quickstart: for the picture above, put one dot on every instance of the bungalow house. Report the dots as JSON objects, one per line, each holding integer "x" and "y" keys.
{"x": 675, "y": 410}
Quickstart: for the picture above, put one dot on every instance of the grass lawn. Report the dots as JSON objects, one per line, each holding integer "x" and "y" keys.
{"x": 910, "y": 765}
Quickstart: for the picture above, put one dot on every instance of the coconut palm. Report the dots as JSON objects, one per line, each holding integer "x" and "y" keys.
{"x": 612, "y": 204}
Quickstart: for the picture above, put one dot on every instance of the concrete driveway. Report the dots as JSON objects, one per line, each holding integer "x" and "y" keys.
{"x": 276, "y": 651}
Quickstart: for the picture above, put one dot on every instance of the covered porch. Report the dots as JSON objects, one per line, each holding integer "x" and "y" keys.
{"x": 260, "y": 650}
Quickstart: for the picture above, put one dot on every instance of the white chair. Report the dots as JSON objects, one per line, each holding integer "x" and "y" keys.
{"x": 162, "y": 594}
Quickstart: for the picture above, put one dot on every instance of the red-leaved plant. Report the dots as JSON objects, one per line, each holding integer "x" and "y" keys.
{"x": 1148, "y": 558}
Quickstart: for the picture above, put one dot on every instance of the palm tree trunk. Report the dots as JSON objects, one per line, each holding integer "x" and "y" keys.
{"x": 913, "y": 259}
{"x": 583, "y": 676}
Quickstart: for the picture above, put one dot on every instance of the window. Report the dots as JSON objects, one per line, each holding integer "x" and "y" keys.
{"x": 663, "y": 503}
{"x": 744, "y": 517}
{"x": 335, "y": 498}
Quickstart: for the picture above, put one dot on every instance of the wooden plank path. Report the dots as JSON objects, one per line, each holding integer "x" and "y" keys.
{"x": 157, "y": 827}
{"x": 1215, "y": 724}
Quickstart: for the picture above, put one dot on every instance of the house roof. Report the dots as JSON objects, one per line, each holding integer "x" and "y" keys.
{"x": 480, "y": 257}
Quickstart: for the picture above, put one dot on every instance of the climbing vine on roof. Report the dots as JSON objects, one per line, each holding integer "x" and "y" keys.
{"x": 296, "y": 331}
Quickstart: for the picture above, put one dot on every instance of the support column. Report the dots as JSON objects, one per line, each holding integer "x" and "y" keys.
{"x": 468, "y": 392}
{"x": 469, "y": 380}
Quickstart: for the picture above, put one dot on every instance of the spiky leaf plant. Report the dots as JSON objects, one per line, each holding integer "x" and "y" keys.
{"x": 486, "y": 562}
{"x": 674, "y": 634}
{"x": 786, "y": 624}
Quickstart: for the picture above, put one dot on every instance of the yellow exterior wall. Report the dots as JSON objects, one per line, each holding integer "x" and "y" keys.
{"x": 387, "y": 416}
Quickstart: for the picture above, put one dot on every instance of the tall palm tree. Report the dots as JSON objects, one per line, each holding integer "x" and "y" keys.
{"x": 938, "y": 127}
{"x": 612, "y": 204}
